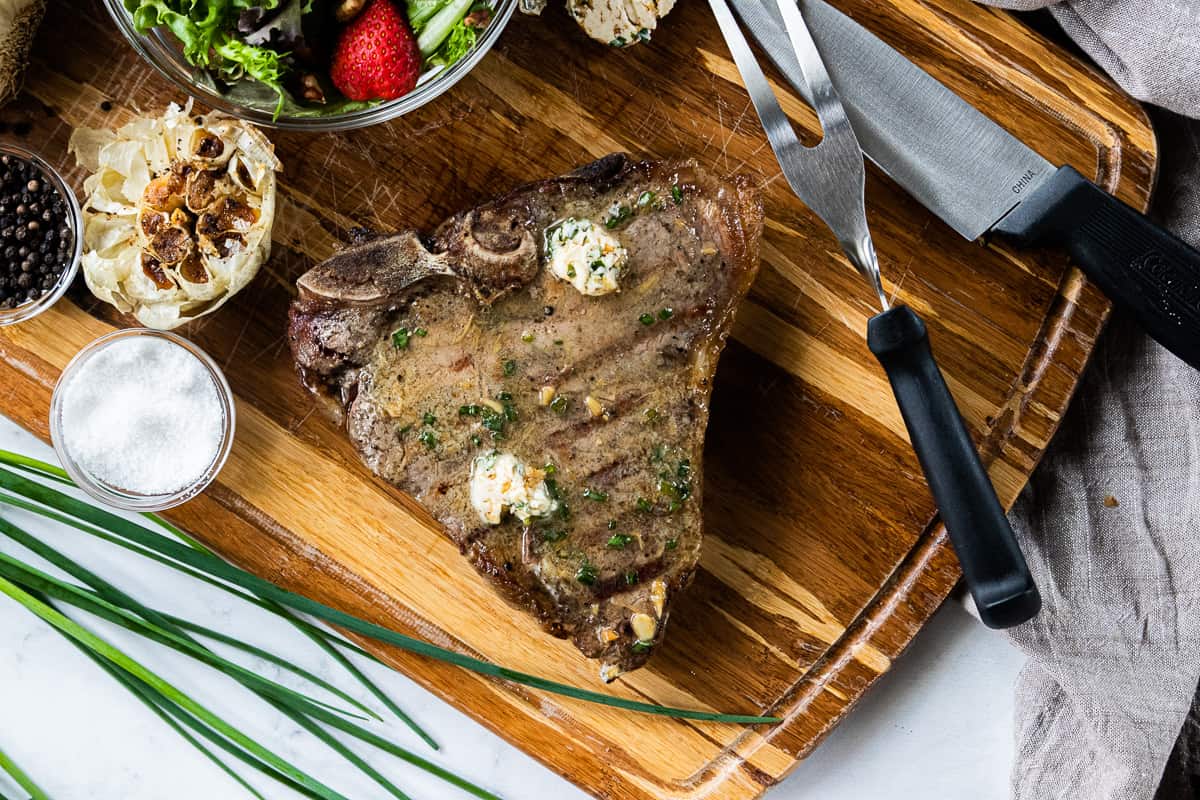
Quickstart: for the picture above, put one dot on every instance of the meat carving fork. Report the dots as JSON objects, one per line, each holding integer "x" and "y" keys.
{"x": 831, "y": 180}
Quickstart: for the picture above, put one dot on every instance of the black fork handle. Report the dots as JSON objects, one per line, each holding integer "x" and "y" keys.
{"x": 992, "y": 563}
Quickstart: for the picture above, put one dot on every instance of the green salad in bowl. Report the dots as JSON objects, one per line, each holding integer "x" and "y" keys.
{"x": 313, "y": 63}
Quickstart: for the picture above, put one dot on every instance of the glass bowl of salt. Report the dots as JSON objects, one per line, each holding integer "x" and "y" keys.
{"x": 142, "y": 419}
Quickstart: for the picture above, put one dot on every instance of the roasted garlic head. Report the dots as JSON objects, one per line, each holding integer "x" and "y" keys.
{"x": 178, "y": 213}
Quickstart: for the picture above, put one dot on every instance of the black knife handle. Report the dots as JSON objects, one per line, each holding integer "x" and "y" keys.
{"x": 992, "y": 563}
{"x": 1140, "y": 266}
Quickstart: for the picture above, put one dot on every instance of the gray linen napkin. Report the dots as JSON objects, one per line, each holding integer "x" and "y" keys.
{"x": 1111, "y": 519}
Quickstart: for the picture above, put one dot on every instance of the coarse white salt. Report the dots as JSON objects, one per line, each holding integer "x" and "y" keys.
{"x": 143, "y": 416}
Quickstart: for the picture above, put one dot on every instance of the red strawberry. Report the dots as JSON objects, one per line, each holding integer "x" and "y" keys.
{"x": 376, "y": 56}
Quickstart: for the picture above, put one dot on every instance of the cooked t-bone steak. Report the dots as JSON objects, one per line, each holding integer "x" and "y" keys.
{"x": 537, "y": 374}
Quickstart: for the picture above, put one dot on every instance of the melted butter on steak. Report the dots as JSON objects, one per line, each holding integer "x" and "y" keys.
{"x": 443, "y": 350}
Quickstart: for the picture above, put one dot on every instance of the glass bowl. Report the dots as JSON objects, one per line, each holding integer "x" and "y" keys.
{"x": 30, "y": 309}
{"x": 116, "y": 496}
{"x": 162, "y": 50}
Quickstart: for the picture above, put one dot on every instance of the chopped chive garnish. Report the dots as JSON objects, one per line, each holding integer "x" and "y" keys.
{"x": 672, "y": 544}
{"x": 618, "y": 541}
{"x": 526, "y": 337}
{"x": 666, "y": 313}
{"x": 631, "y": 578}
{"x": 646, "y": 319}
{"x": 400, "y": 339}
{"x": 586, "y": 574}
{"x": 421, "y": 332}
{"x": 493, "y": 422}
{"x": 428, "y": 418}
{"x": 549, "y": 469}
{"x": 642, "y": 647}
{"x": 644, "y": 505}
{"x": 509, "y": 367}
{"x": 677, "y": 194}
{"x": 612, "y": 524}
{"x": 558, "y": 404}
{"x": 429, "y": 439}
{"x": 595, "y": 494}
{"x": 621, "y": 214}
{"x": 645, "y": 199}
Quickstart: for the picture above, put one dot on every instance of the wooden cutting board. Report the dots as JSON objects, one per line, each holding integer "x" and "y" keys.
{"x": 823, "y": 554}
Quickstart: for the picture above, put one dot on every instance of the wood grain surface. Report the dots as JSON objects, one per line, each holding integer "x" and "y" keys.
{"x": 823, "y": 554}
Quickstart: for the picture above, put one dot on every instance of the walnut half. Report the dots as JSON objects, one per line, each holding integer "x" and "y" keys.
{"x": 348, "y": 9}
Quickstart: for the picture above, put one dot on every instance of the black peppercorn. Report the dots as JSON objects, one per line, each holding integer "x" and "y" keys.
{"x": 36, "y": 240}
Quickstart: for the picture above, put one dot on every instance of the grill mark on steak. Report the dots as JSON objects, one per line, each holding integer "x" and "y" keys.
{"x": 478, "y": 292}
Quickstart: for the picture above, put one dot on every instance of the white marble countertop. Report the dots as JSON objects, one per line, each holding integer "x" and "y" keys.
{"x": 938, "y": 726}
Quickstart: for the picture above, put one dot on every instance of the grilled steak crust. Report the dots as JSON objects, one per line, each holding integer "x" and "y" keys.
{"x": 486, "y": 328}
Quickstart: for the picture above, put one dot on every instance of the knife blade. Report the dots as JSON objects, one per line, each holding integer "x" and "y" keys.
{"x": 980, "y": 179}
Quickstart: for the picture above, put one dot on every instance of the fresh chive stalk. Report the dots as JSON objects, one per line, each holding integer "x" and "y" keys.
{"x": 295, "y": 706}
{"x": 104, "y": 649}
{"x": 46, "y": 499}
{"x": 7, "y": 765}
{"x": 324, "y": 639}
{"x": 175, "y": 718}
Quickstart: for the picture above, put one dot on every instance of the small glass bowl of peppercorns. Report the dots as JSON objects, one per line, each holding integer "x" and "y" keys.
{"x": 41, "y": 238}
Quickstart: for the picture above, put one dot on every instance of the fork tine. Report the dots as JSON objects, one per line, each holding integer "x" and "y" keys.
{"x": 830, "y": 177}
{"x": 825, "y": 100}
{"x": 780, "y": 134}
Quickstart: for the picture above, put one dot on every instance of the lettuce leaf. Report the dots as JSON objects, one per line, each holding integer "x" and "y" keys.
{"x": 249, "y": 61}
{"x": 196, "y": 23}
{"x": 257, "y": 95}
{"x": 420, "y": 11}
{"x": 280, "y": 28}
{"x": 438, "y": 27}
{"x": 457, "y": 44}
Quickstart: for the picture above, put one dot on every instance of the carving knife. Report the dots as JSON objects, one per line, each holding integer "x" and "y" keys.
{"x": 982, "y": 180}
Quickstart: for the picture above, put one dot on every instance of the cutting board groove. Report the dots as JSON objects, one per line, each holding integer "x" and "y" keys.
{"x": 823, "y": 555}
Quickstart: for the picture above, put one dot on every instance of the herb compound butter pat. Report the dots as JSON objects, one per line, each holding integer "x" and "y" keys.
{"x": 142, "y": 415}
{"x": 500, "y": 482}
{"x": 585, "y": 256}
